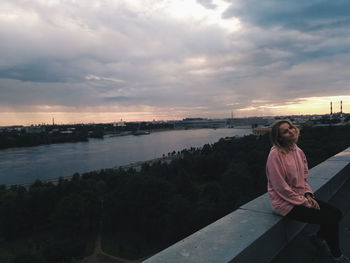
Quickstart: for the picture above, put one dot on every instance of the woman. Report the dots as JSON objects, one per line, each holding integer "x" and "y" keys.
{"x": 290, "y": 193}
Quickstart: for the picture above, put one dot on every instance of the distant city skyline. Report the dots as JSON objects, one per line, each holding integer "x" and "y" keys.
{"x": 61, "y": 118}
{"x": 100, "y": 61}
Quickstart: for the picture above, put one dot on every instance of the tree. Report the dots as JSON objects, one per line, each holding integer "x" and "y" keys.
{"x": 70, "y": 213}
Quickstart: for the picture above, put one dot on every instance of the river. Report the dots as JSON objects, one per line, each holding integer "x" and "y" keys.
{"x": 26, "y": 164}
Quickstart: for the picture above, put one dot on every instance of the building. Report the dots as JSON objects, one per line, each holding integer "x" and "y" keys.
{"x": 261, "y": 131}
{"x": 200, "y": 123}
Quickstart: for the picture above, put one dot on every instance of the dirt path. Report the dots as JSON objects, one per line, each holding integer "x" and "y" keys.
{"x": 99, "y": 256}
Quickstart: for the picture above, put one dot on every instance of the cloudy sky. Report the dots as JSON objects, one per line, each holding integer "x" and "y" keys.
{"x": 103, "y": 60}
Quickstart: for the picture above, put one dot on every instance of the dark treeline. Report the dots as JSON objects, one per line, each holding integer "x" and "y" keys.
{"x": 133, "y": 126}
{"x": 38, "y": 135}
{"x": 48, "y": 134}
{"x": 22, "y": 139}
{"x": 146, "y": 211}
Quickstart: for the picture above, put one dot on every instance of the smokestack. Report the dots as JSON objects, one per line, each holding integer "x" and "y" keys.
{"x": 331, "y": 109}
{"x": 341, "y": 107}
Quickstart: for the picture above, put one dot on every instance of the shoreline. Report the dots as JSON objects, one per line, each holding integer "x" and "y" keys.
{"x": 173, "y": 129}
{"x": 135, "y": 165}
{"x": 147, "y": 132}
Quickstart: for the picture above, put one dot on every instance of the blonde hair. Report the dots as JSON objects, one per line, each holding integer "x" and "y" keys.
{"x": 276, "y": 138}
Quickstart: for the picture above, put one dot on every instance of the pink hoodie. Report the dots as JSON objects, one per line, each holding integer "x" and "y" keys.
{"x": 287, "y": 179}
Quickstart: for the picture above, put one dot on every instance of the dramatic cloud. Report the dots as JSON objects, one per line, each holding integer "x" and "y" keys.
{"x": 207, "y": 3}
{"x": 170, "y": 59}
{"x": 298, "y": 15}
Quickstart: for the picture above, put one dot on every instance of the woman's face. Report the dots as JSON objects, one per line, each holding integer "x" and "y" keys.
{"x": 287, "y": 132}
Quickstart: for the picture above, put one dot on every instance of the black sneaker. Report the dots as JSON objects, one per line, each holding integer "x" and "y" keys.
{"x": 341, "y": 259}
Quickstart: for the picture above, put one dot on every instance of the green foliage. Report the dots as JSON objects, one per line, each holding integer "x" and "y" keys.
{"x": 28, "y": 257}
{"x": 19, "y": 139}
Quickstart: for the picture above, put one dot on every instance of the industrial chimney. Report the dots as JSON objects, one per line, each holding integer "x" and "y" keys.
{"x": 331, "y": 109}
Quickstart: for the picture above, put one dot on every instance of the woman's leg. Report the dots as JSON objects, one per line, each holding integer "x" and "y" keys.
{"x": 328, "y": 230}
{"x": 327, "y": 217}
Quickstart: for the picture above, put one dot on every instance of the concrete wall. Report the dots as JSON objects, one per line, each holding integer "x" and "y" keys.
{"x": 253, "y": 231}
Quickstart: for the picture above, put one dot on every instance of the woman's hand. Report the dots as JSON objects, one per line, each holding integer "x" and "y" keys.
{"x": 313, "y": 203}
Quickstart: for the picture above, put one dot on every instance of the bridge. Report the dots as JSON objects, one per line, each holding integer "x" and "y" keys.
{"x": 253, "y": 233}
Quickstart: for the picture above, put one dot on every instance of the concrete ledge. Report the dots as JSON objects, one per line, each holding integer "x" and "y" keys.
{"x": 253, "y": 229}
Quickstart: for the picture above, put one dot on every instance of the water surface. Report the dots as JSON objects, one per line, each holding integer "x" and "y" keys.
{"x": 24, "y": 165}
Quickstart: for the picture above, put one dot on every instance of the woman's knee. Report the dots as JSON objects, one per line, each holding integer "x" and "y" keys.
{"x": 332, "y": 212}
{"x": 336, "y": 215}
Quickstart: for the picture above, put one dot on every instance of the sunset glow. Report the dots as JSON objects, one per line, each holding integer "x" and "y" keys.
{"x": 305, "y": 106}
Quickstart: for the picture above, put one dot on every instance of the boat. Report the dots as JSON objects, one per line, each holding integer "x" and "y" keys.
{"x": 137, "y": 133}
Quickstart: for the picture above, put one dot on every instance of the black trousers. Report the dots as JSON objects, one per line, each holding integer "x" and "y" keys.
{"x": 328, "y": 217}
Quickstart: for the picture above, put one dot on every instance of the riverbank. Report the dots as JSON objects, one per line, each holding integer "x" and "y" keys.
{"x": 25, "y": 165}
{"x": 136, "y": 166}
{"x": 126, "y": 133}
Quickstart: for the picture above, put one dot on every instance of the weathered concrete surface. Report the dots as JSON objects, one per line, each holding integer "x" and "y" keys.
{"x": 223, "y": 240}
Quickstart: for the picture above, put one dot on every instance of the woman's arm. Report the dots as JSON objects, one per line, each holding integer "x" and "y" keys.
{"x": 278, "y": 183}
{"x": 308, "y": 189}
{"x": 312, "y": 201}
